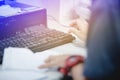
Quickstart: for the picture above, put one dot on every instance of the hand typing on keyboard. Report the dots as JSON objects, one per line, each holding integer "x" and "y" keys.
{"x": 79, "y": 28}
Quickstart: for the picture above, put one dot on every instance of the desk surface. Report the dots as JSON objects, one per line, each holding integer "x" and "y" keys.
{"x": 70, "y": 48}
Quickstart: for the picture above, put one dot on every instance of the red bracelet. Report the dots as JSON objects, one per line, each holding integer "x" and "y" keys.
{"x": 71, "y": 62}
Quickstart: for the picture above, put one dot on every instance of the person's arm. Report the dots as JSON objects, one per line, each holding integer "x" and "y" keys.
{"x": 73, "y": 63}
{"x": 77, "y": 72}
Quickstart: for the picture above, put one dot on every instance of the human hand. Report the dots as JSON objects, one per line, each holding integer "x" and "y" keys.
{"x": 55, "y": 61}
{"x": 79, "y": 27}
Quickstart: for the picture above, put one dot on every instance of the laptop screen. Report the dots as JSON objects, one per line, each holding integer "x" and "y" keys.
{"x": 11, "y": 25}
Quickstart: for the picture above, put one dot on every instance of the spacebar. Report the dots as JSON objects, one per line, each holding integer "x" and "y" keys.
{"x": 43, "y": 47}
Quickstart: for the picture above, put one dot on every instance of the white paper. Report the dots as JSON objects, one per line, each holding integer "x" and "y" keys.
{"x": 24, "y": 59}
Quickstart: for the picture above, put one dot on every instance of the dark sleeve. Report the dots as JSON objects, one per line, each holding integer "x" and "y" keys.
{"x": 103, "y": 62}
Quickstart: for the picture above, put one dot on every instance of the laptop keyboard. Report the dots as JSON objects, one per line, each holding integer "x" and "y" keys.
{"x": 36, "y": 40}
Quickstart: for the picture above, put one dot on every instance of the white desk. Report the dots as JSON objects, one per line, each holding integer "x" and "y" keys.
{"x": 70, "y": 48}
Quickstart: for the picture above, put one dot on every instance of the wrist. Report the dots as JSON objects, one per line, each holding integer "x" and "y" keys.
{"x": 71, "y": 62}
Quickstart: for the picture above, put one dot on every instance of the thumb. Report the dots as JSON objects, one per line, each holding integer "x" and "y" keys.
{"x": 74, "y": 31}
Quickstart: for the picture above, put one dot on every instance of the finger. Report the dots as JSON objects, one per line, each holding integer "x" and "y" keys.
{"x": 74, "y": 25}
{"x": 77, "y": 33}
{"x": 47, "y": 65}
{"x": 74, "y": 31}
{"x": 43, "y": 66}
{"x": 82, "y": 24}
